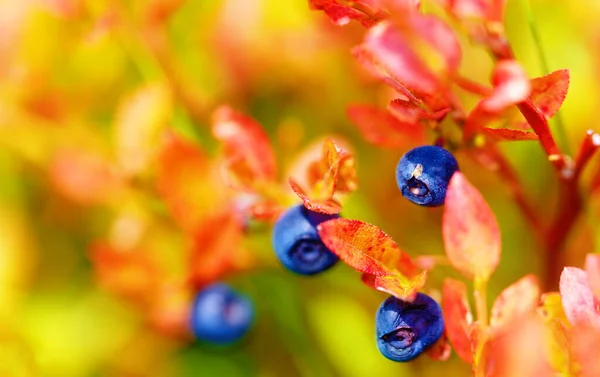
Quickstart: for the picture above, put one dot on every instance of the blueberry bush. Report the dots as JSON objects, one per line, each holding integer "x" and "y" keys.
{"x": 189, "y": 188}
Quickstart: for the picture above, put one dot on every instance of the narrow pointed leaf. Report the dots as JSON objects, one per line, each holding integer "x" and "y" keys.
{"x": 342, "y": 14}
{"x": 516, "y": 301}
{"x": 507, "y": 134}
{"x": 366, "y": 248}
{"x": 470, "y": 230}
{"x": 458, "y": 318}
{"x": 327, "y": 206}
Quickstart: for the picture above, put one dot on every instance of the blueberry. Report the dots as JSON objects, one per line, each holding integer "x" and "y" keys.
{"x": 221, "y": 315}
{"x": 423, "y": 174}
{"x": 297, "y": 243}
{"x": 405, "y": 329}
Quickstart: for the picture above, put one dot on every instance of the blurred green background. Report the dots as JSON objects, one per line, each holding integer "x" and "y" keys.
{"x": 68, "y": 71}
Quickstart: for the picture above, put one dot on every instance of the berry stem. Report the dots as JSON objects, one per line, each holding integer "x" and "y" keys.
{"x": 537, "y": 41}
{"x": 480, "y": 296}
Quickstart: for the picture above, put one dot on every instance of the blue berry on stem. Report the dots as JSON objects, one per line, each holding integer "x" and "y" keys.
{"x": 220, "y": 315}
{"x": 297, "y": 243}
{"x": 406, "y": 329}
{"x": 423, "y": 174}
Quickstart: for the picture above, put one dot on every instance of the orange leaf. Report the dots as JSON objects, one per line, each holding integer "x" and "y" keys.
{"x": 516, "y": 351}
{"x": 592, "y": 267}
{"x": 585, "y": 345}
{"x": 397, "y": 285}
{"x": 187, "y": 182}
{"x": 470, "y": 231}
{"x": 548, "y": 92}
{"x": 577, "y": 297}
{"x": 515, "y": 302}
{"x": 327, "y": 206}
{"x": 217, "y": 249}
{"x": 458, "y": 318}
{"x": 507, "y": 134}
{"x": 381, "y": 128}
{"x": 366, "y": 248}
{"x": 246, "y": 143}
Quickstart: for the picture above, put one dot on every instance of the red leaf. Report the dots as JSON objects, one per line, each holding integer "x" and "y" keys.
{"x": 328, "y": 206}
{"x": 548, "y": 92}
{"x": 511, "y": 86}
{"x": 577, "y": 297}
{"x": 592, "y": 267}
{"x": 440, "y": 37}
{"x": 458, "y": 318}
{"x": 381, "y": 128}
{"x": 440, "y": 350}
{"x": 466, "y": 9}
{"x": 245, "y": 143}
{"x": 507, "y": 134}
{"x": 342, "y": 14}
{"x": 366, "y": 248}
{"x": 470, "y": 231}
{"x": 515, "y": 302}
{"x": 397, "y": 285}
{"x": 390, "y": 48}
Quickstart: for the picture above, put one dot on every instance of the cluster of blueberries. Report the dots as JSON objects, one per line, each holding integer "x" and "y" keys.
{"x": 403, "y": 329}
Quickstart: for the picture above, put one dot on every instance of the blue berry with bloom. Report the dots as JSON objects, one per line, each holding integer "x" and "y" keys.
{"x": 423, "y": 174}
{"x": 297, "y": 243}
{"x": 220, "y": 315}
{"x": 405, "y": 329}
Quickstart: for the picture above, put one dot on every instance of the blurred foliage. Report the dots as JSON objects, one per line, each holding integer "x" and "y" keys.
{"x": 88, "y": 90}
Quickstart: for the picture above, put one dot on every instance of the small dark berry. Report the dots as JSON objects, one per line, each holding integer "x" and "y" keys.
{"x": 297, "y": 243}
{"x": 423, "y": 174}
{"x": 221, "y": 315}
{"x": 406, "y": 329}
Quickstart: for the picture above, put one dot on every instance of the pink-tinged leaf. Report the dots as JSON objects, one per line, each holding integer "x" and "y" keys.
{"x": 585, "y": 344}
{"x": 458, "y": 318}
{"x": 397, "y": 285}
{"x": 392, "y": 51}
{"x": 507, "y": 134}
{"x": 440, "y": 350}
{"x": 381, "y": 128}
{"x": 466, "y": 9}
{"x": 440, "y": 37}
{"x": 83, "y": 177}
{"x": 511, "y": 86}
{"x": 548, "y": 92}
{"x": 138, "y": 127}
{"x": 342, "y": 14}
{"x": 516, "y": 351}
{"x": 515, "y": 302}
{"x": 592, "y": 268}
{"x": 366, "y": 248}
{"x": 578, "y": 298}
{"x": 246, "y": 145}
{"x": 470, "y": 230}
{"x": 328, "y": 206}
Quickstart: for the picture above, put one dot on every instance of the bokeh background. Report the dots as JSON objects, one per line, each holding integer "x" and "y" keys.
{"x": 88, "y": 88}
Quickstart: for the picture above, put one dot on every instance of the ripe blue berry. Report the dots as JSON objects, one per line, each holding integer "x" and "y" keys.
{"x": 297, "y": 243}
{"x": 405, "y": 329}
{"x": 221, "y": 315}
{"x": 423, "y": 174}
